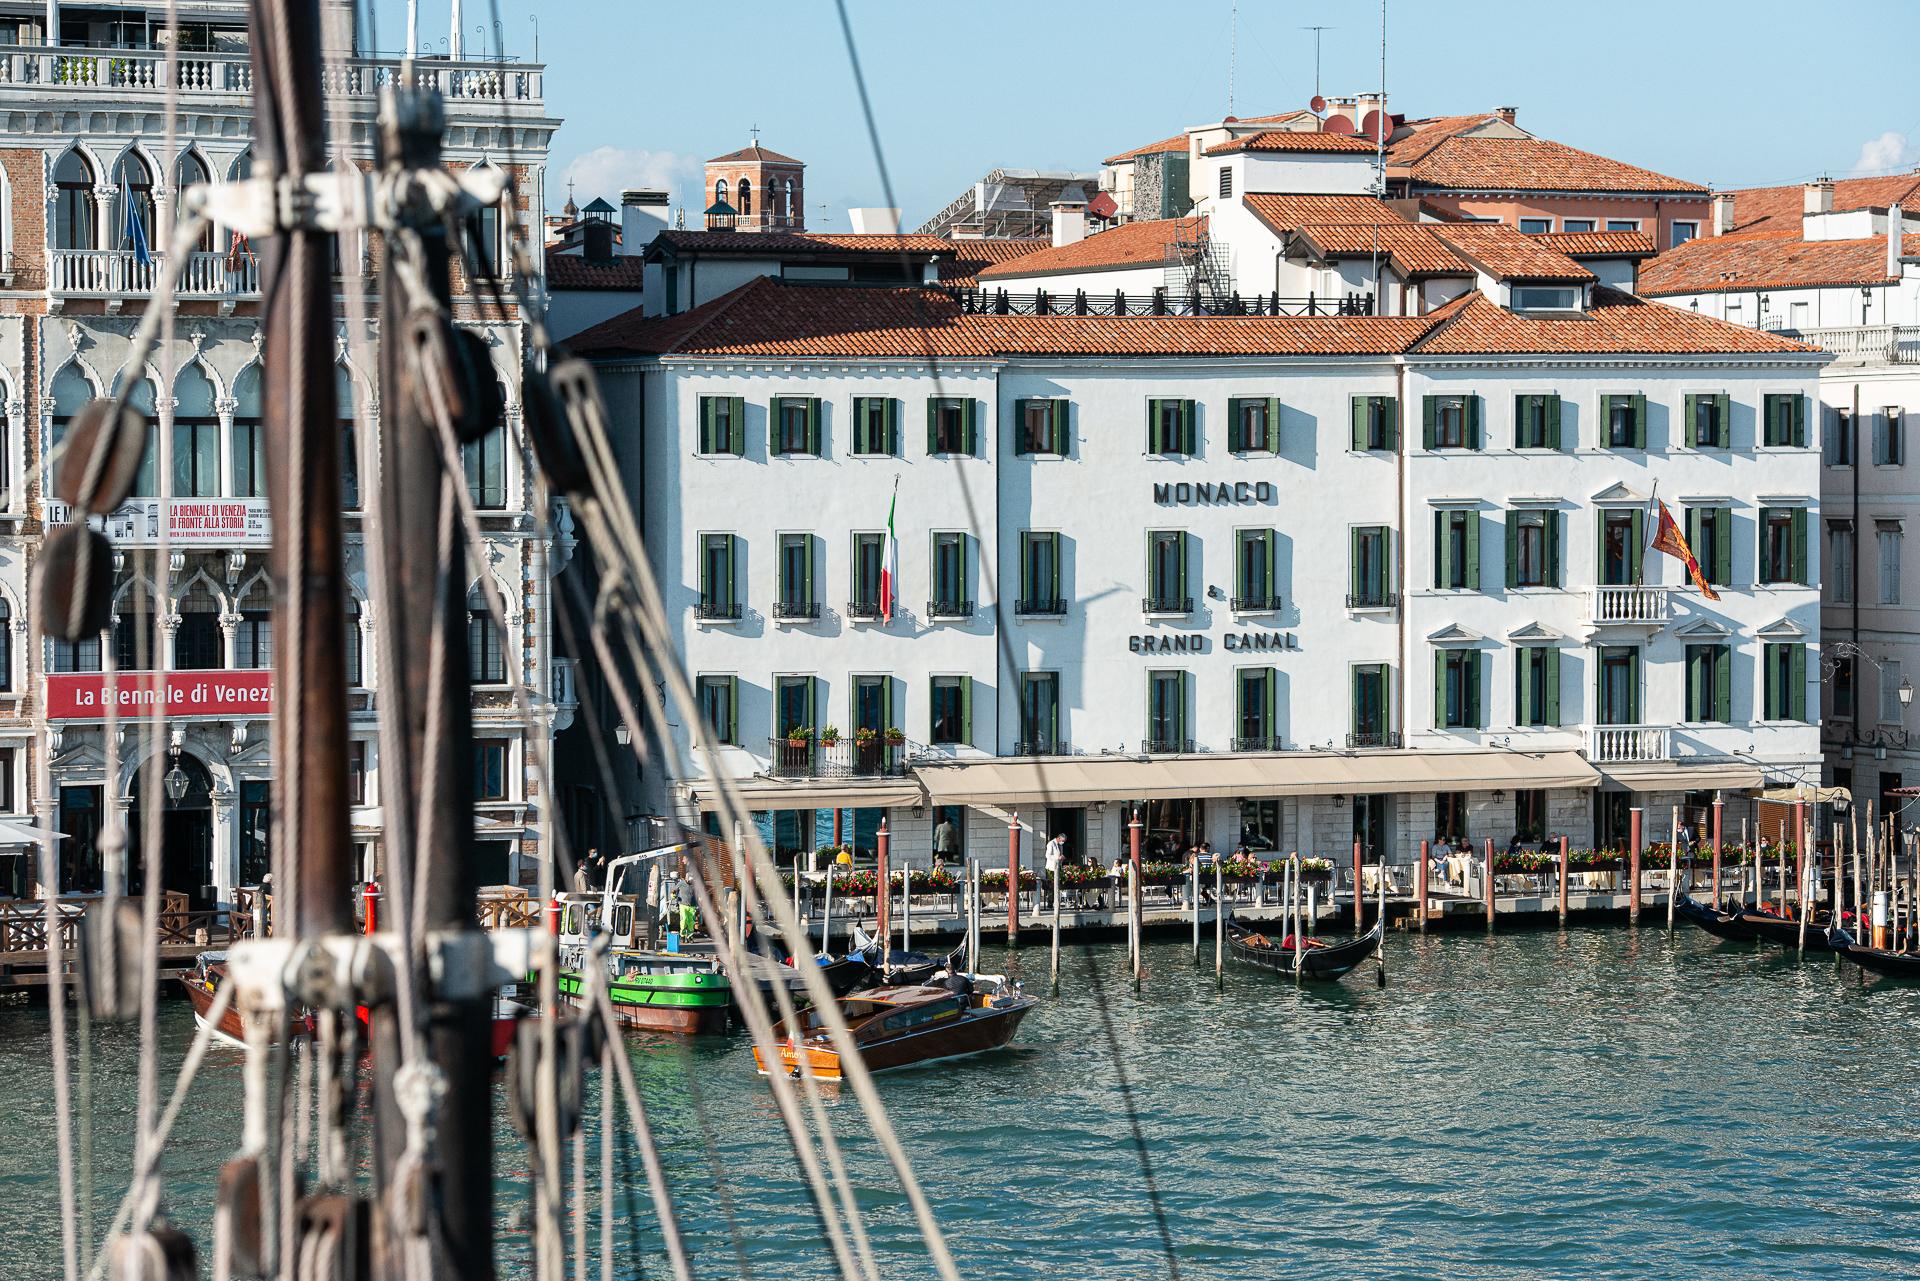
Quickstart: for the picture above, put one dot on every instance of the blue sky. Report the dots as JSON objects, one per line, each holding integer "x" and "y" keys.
{"x": 1722, "y": 92}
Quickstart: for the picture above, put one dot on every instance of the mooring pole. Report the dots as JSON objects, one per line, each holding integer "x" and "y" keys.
{"x": 1056, "y": 930}
{"x": 1563, "y": 881}
{"x": 1420, "y": 888}
{"x": 1634, "y": 835}
{"x": 1673, "y": 877}
{"x": 1219, "y": 921}
{"x": 1359, "y": 895}
{"x": 1719, "y": 820}
{"x": 1800, "y": 862}
{"x": 1193, "y": 877}
{"x": 882, "y": 885}
{"x": 1134, "y": 832}
{"x": 1809, "y": 873}
{"x": 1013, "y": 881}
{"x": 1488, "y": 887}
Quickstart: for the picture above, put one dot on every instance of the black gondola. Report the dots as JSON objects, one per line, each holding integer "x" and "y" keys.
{"x": 1330, "y": 962}
{"x": 897, "y": 968}
{"x": 1785, "y": 930}
{"x": 1898, "y": 965}
{"x": 1720, "y": 924}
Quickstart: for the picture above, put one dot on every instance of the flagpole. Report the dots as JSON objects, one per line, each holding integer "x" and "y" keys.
{"x": 1653, "y": 504}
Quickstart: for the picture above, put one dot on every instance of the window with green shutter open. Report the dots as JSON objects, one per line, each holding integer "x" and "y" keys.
{"x": 1255, "y": 589}
{"x": 1710, "y": 683}
{"x": 1533, "y": 548}
{"x": 950, "y": 425}
{"x": 1040, "y": 426}
{"x": 1785, "y": 684}
{"x": 1622, "y": 544}
{"x": 1617, "y": 685}
{"x": 1040, "y": 585}
{"x": 1039, "y": 714}
{"x": 1709, "y": 533}
{"x": 796, "y": 599}
{"x": 1253, "y": 424}
{"x": 1456, "y": 550}
{"x": 1170, "y": 427}
{"x": 1706, "y": 420}
{"x": 1167, "y": 712}
{"x": 1369, "y": 573}
{"x": 1783, "y": 545}
{"x": 723, "y": 425}
{"x": 1456, "y": 692}
{"x": 1624, "y": 419}
{"x": 876, "y": 425}
{"x": 1375, "y": 423}
{"x": 951, "y": 710}
{"x": 720, "y": 707}
{"x": 796, "y": 425}
{"x": 1784, "y": 418}
{"x": 1256, "y": 728}
{"x": 1451, "y": 422}
{"x": 718, "y": 563}
{"x": 1369, "y": 727}
{"x": 1536, "y": 685}
{"x": 1536, "y": 421}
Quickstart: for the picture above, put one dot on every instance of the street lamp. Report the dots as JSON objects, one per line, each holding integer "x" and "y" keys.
{"x": 1906, "y": 692}
{"x": 176, "y": 781}
{"x": 624, "y": 736}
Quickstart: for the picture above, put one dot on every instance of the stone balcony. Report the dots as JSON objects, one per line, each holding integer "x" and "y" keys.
{"x": 1865, "y": 344}
{"x": 1628, "y": 607}
{"x": 1620, "y": 744}
{"x": 115, "y": 274}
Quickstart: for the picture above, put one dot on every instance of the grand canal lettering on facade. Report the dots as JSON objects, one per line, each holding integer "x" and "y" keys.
{"x": 1197, "y": 493}
{"x": 1260, "y": 642}
{"x": 1173, "y": 644}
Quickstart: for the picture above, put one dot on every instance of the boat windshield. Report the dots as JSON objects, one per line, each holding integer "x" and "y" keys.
{"x": 921, "y": 1015}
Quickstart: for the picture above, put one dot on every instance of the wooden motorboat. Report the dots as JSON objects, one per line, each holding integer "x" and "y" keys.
{"x": 203, "y": 980}
{"x": 1715, "y": 921}
{"x": 897, "y": 1027}
{"x": 1317, "y": 960}
{"x": 1899, "y": 965}
{"x": 1770, "y": 926}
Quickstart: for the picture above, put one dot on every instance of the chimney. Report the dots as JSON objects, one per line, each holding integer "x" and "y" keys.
{"x": 1894, "y": 228}
{"x": 596, "y": 241}
{"x": 643, "y": 215}
{"x": 1508, "y": 115}
{"x": 874, "y": 221}
{"x": 1069, "y": 216}
{"x": 1817, "y": 197}
{"x": 1722, "y": 213}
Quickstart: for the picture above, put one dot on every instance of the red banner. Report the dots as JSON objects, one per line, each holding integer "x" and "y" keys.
{"x": 82, "y": 696}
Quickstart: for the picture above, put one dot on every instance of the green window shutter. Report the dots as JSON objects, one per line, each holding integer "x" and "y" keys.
{"x": 1691, "y": 410}
{"x": 1439, "y": 689}
{"x": 1723, "y": 683}
{"x": 1721, "y": 418}
{"x": 1189, "y": 429}
{"x": 1272, "y": 542}
{"x": 1633, "y": 689}
{"x": 807, "y": 578}
{"x": 892, "y": 445}
{"x": 1797, "y": 678}
{"x": 1057, "y": 412}
{"x": 1390, "y": 407}
{"x": 1020, "y": 426}
{"x": 1774, "y": 410}
{"x": 1639, "y": 421}
{"x": 1473, "y": 551}
{"x": 1696, "y": 708}
{"x": 1474, "y": 417}
{"x": 1799, "y": 404}
{"x": 1476, "y": 682}
{"x": 1513, "y": 549}
{"x": 732, "y": 727}
{"x": 1556, "y": 526}
{"x": 966, "y": 710}
{"x": 1355, "y": 585}
{"x": 1442, "y": 546}
{"x": 1523, "y": 659}
{"x": 736, "y": 441}
{"x": 1800, "y": 546}
{"x": 1026, "y": 564}
{"x": 1153, "y": 419}
{"x": 1180, "y": 558}
{"x": 1599, "y": 544}
{"x": 1634, "y": 561}
{"x": 1691, "y": 520}
{"x": 813, "y": 426}
{"x": 1553, "y": 422}
{"x": 1357, "y": 416}
{"x": 1551, "y": 713}
{"x": 1520, "y": 405}
{"x": 706, "y": 425}
{"x": 813, "y": 702}
{"x": 1273, "y": 425}
{"x": 1430, "y": 412}
{"x": 1722, "y": 545}
{"x": 970, "y": 431}
{"x": 933, "y": 424}
{"x": 1273, "y": 702}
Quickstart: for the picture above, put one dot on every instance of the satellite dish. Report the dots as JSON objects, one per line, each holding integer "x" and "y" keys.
{"x": 1316, "y": 104}
{"x": 1375, "y": 126}
{"x": 1336, "y": 124}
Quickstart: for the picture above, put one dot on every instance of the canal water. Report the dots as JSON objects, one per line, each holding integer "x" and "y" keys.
{"x": 1602, "y": 1102}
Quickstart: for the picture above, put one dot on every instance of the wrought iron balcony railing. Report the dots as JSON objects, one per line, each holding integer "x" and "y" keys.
{"x": 720, "y": 611}
{"x": 796, "y": 611}
{"x": 1374, "y": 738}
{"x": 1041, "y": 607}
{"x": 949, "y": 609}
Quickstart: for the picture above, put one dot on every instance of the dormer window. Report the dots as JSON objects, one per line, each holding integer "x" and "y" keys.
{"x": 1546, "y": 298}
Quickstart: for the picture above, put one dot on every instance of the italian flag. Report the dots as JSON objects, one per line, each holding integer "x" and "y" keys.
{"x": 890, "y": 563}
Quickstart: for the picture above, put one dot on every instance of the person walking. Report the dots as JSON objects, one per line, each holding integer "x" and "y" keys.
{"x": 1055, "y": 857}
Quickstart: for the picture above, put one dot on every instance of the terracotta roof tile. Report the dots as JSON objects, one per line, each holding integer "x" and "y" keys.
{"x": 1739, "y": 263}
{"x": 1412, "y": 248}
{"x": 1600, "y": 244}
{"x": 754, "y": 151}
{"x": 971, "y": 257}
{"x": 779, "y": 242}
{"x": 1507, "y": 253}
{"x": 1531, "y": 164}
{"x": 1615, "y": 323}
{"x": 577, "y": 271}
{"x": 1179, "y": 141}
{"x": 1292, "y": 140}
{"x": 1132, "y": 244}
{"x": 1284, "y": 213}
{"x": 1423, "y": 136}
{"x": 1777, "y": 210}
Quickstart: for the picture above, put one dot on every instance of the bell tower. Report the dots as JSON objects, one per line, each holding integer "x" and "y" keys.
{"x": 754, "y": 189}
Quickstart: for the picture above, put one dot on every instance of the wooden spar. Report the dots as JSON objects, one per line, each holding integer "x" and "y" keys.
{"x": 1488, "y": 887}
{"x": 1673, "y": 866}
{"x": 882, "y": 885}
{"x": 1219, "y": 921}
{"x": 1634, "y": 834}
{"x": 1719, "y": 822}
{"x": 1420, "y": 888}
{"x": 1563, "y": 880}
{"x": 1055, "y": 967}
{"x": 1359, "y": 898}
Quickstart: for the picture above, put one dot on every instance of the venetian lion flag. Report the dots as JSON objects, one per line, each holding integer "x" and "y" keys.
{"x": 890, "y": 563}
{"x": 1668, "y": 538}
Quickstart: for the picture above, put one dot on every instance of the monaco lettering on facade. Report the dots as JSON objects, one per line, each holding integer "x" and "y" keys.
{"x": 1197, "y": 493}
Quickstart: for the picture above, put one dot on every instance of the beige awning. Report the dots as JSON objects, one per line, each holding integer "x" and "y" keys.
{"x": 1680, "y": 776}
{"x": 1083, "y": 780}
{"x": 1809, "y": 793}
{"x": 758, "y": 794}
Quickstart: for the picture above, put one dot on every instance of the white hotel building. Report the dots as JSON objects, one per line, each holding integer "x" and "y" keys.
{"x": 1289, "y": 581}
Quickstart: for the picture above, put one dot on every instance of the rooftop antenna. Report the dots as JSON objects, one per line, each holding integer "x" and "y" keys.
{"x": 1233, "y": 50}
{"x": 1316, "y": 55}
{"x": 1384, "y": 126}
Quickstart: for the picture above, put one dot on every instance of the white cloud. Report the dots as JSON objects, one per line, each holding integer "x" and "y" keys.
{"x": 1890, "y": 151}
{"x": 605, "y": 170}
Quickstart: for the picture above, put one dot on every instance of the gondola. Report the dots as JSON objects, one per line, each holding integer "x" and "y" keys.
{"x": 1721, "y": 924}
{"x": 1770, "y": 927}
{"x": 1898, "y": 965}
{"x": 896, "y": 1027}
{"x": 1325, "y": 961}
{"x": 896, "y": 968}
